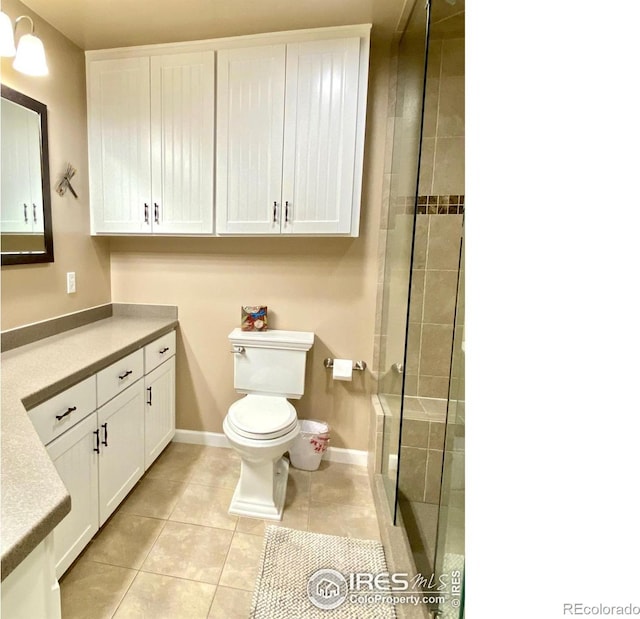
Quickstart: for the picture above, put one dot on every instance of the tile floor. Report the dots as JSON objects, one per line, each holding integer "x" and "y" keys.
{"x": 172, "y": 551}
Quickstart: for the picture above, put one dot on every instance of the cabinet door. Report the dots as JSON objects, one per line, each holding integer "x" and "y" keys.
{"x": 119, "y": 145}
{"x": 121, "y": 427}
{"x": 320, "y": 136}
{"x": 182, "y": 117}
{"x": 160, "y": 410}
{"x": 76, "y": 461}
{"x": 250, "y": 121}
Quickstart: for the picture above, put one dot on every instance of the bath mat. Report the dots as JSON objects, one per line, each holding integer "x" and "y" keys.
{"x": 306, "y": 575}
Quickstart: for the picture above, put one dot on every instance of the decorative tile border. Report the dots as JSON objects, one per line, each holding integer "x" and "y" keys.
{"x": 441, "y": 205}
{"x": 430, "y": 205}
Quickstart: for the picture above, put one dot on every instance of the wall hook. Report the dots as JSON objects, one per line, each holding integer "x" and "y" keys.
{"x": 65, "y": 183}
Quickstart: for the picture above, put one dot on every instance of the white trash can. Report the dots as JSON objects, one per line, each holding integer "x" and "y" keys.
{"x": 309, "y": 446}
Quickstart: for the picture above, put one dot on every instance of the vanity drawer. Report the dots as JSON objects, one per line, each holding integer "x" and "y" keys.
{"x": 57, "y": 415}
{"x": 119, "y": 375}
{"x": 159, "y": 350}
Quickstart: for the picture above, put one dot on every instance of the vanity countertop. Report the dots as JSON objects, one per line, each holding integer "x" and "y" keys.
{"x": 34, "y": 499}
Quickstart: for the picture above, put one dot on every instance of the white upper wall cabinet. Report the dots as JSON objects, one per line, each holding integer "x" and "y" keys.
{"x": 151, "y": 144}
{"x": 320, "y": 136}
{"x": 182, "y": 116}
{"x": 287, "y": 142}
{"x": 250, "y": 127}
{"x": 119, "y": 145}
{"x": 286, "y": 112}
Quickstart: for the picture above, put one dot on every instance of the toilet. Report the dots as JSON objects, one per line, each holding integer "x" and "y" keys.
{"x": 269, "y": 367}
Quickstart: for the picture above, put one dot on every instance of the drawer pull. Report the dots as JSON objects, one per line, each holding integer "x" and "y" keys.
{"x": 106, "y": 436}
{"x": 123, "y": 376}
{"x": 164, "y": 350}
{"x": 149, "y": 400}
{"x": 97, "y": 447}
{"x": 69, "y": 411}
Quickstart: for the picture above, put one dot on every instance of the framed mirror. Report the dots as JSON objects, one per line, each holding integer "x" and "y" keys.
{"x": 26, "y": 231}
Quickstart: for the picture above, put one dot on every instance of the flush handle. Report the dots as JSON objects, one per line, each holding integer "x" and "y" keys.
{"x": 237, "y": 350}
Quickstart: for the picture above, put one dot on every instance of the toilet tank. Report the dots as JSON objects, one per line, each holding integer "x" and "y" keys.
{"x": 271, "y": 362}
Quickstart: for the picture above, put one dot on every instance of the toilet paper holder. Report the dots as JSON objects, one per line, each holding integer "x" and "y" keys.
{"x": 357, "y": 365}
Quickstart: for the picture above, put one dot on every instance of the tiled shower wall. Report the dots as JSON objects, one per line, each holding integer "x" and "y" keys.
{"x": 434, "y": 273}
{"x": 437, "y": 243}
{"x": 438, "y": 230}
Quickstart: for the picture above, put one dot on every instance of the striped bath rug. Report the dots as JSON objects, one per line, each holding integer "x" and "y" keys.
{"x": 306, "y": 575}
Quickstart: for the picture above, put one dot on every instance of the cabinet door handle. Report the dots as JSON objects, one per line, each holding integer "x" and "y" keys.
{"x": 106, "y": 435}
{"x": 275, "y": 211}
{"x": 35, "y": 214}
{"x": 149, "y": 400}
{"x": 123, "y": 376}
{"x": 26, "y": 217}
{"x": 68, "y": 412}
{"x": 286, "y": 212}
{"x": 146, "y": 213}
{"x": 97, "y": 447}
{"x": 156, "y": 213}
{"x": 164, "y": 350}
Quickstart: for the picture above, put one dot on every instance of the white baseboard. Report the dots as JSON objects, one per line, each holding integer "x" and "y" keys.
{"x": 217, "y": 439}
{"x": 195, "y": 437}
{"x": 346, "y": 456}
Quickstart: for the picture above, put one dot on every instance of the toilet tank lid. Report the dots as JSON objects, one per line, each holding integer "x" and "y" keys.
{"x": 292, "y": 340}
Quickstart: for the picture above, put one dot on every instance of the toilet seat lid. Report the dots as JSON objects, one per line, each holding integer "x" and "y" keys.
{"x": 262, "y": 417}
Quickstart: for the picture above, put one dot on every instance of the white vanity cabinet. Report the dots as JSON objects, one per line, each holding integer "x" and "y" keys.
{"x": 121, "y": 438}
{"x": 151, "y": 143}
{"x": 290, "y": 137}
{"x": 103, "y": 433}
{"x": 75, "y": 456}
{"x": 160, "y": 396}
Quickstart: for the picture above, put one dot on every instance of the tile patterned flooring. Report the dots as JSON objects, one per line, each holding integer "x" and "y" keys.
{"x": 172, "y": 551}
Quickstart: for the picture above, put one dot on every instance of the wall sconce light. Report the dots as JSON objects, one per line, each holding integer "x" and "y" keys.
{"x": 29, "y": 57}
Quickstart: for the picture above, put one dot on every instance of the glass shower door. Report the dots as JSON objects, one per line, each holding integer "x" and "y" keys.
{"x": 407, "y": 119}
{"x": 450, "y": 547}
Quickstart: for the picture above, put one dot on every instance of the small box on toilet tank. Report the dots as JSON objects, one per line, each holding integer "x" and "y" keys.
{"x": 254, "y": 318}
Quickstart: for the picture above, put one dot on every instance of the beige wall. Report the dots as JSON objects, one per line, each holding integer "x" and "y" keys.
{"x": 36, "y": 292}
{"x": 327, "y": 286}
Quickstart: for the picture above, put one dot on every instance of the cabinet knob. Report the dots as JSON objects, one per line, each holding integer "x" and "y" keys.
{"x": 68, "y": 412}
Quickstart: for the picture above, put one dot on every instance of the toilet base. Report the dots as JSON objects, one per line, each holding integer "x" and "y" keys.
{"x": 267, "y": 506}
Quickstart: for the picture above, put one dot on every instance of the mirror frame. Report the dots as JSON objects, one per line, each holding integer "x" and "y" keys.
{"x": 41, "y": 109}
